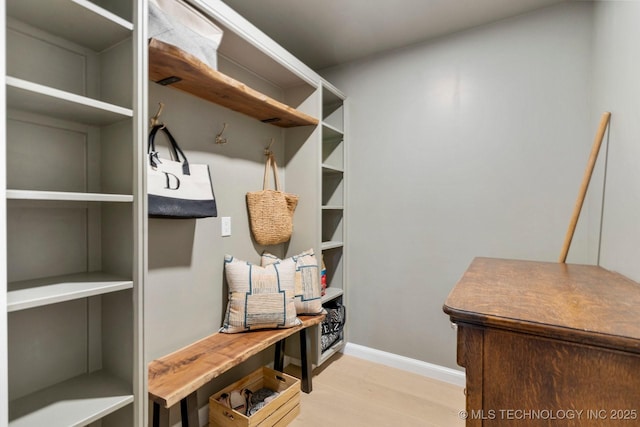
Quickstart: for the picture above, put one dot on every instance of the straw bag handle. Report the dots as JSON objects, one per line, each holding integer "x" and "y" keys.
{"x": 271, "y": 164}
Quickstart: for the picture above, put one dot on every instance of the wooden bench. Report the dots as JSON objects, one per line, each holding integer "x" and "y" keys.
{"x": 177, "y": 376}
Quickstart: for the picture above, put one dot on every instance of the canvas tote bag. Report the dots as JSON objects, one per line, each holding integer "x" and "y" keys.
{"x": 176, "y": 188}
{"x": 271, "y": 211}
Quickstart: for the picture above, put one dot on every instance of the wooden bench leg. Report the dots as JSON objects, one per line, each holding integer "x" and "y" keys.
{"x": 160, "y": 415}
{"x": 307, "y": 371}
{"x": 278, "y": 362}
{"x": 189, "y": 411}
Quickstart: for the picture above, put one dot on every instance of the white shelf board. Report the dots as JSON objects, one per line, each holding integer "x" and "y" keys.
{"x": 79, "y": 21}
{"x": 331, "y": 169}
{"x": 331, "y": 293}
{"x": 35, "y": 293}
{"x": 332, "y": 208}
{"x": 336, "y": 347}
{"x": 330, "y": 132}
{"x": 331, "y": 245}
{"x": 40, "y": 99}
{"x": 76, "y": 402}
{"x": 67, "y": 196}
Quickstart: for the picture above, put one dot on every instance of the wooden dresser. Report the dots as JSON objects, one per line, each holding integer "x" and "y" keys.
{"x": 547, "y": 344}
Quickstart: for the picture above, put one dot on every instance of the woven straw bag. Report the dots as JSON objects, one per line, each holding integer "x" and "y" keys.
{"x": 271, "y": 211}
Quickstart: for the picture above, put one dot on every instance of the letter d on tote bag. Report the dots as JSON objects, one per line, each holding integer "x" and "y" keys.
{"x": 176, "y": 188}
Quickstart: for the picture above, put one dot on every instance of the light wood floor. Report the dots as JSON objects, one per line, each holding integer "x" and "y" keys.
{"x": 352, "y": 392}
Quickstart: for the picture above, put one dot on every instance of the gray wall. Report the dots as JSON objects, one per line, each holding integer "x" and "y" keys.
{"x": 475, "y": 145}
{"x": 616, "y": 89}
{"x": 185, "y": 291}
{"x": 470, "y": 145}
{"x": 184, "y": 296}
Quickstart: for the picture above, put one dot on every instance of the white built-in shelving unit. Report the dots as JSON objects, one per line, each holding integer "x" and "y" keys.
{"x": 333, "y": 202}
{"x": 311, "y": 112}
{"x": 73, "y": 130}
{"x": 73, "y": 140}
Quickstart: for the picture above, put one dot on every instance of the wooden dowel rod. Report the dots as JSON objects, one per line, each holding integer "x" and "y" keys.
{"x": 595, "y": 149}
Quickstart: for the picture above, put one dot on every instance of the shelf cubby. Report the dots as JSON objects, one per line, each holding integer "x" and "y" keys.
{"x": 332, "y": 188}
{"x": 332, "y": 150}
{"x": 332, "y": 110}
{"x": 332, "y": 225}
{"x": 80, "y": 21}
{"x": 333, "y": 260}
{"x": 76, "y": 402}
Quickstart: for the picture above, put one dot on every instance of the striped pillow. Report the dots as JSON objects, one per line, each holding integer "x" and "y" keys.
{"x": 308, "y": 292}
{"x": 259, "y": 297}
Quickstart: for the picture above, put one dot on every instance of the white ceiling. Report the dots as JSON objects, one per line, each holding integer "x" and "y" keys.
{"x": 323, "y": 33}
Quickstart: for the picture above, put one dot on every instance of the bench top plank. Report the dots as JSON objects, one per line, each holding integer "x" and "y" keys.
{"x": 178, "y": 374}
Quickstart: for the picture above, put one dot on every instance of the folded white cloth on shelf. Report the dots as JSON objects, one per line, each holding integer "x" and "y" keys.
{"x": 177, "y": 23}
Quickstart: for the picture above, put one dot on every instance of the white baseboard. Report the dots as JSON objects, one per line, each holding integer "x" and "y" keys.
{"x": 429, "y": 370}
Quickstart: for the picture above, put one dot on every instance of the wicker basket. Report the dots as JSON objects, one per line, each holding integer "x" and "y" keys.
{"x": 271, "y": 211}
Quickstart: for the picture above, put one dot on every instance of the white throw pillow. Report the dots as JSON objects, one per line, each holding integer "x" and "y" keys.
{"x": 259, "y": 297}
{"x": 308, "y": 292}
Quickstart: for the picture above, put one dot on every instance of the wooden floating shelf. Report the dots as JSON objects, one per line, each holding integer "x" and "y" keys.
{"x": 169, "y": 65}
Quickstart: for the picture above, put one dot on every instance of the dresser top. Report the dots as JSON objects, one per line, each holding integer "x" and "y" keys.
{"x": 580, "y": 303}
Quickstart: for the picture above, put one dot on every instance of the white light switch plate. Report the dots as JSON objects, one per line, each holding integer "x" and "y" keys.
{"x": 225, "y": 226}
